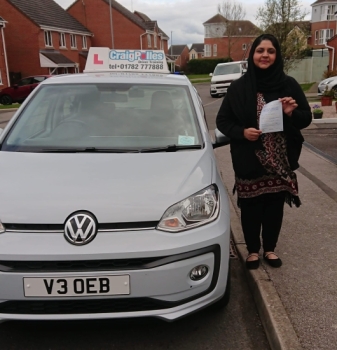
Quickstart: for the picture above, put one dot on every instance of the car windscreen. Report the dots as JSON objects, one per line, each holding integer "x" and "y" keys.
{"x": 105, "y": 116}
{"x": 227, "y": 69}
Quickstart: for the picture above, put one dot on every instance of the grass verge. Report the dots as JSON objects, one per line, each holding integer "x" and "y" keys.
{"x": 14, "y": 105}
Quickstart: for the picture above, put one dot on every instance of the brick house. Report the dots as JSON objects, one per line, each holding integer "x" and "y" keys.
{"x": 220, "y": 41}
{"x": 180, "y": 55}
{"x": 196, "y": 51}
{"x": 43, "y": 42}
{"x": 129, "y": 30}
{"x": 4, "y": 73}
{"x": 324, "y": 28}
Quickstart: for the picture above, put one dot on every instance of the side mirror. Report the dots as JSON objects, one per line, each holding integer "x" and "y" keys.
{"x": 210, "y": 74}
{"x": 220, "y": 139}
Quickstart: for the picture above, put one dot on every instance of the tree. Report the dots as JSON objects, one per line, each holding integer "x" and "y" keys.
{"x": 232, "y": 13}
{"x": 285, "y": 20}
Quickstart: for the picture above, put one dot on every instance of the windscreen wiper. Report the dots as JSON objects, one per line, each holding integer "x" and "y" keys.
{"x": 169, "y": 148}
{"x": 88, "y": 150}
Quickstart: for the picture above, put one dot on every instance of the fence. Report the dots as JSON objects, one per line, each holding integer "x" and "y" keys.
{"x": 311, "y": 69}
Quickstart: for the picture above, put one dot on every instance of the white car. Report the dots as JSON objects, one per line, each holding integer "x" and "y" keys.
{"x": 224, "y": 74}
{"x": 111, "y": 204}
{"x": 328, "y": 84}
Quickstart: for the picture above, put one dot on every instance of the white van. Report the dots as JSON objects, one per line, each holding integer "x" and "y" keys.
{"x": 224, "y": 74}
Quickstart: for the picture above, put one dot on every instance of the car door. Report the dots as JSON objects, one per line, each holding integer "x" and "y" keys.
{"x": 22, "y": 89}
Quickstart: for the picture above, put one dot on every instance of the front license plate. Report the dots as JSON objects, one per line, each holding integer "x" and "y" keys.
{"x": 222, "y": 90}
{"x": 76, "y": 286}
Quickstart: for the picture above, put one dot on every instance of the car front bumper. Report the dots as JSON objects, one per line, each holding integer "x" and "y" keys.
{"x": 157, "y": 263}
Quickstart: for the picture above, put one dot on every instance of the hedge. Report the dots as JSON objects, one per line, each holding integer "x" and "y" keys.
{"x": 205, "y": 66}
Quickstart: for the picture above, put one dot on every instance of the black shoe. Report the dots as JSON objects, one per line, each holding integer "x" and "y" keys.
{"x": 253, "y": 264}
{"x": 272, "y": 262}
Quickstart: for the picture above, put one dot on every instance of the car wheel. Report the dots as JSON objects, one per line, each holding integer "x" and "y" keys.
{"x": 221, "y": 303}
{"x": 334, "y": 89}
{"x": 6, "y": 100}
{"x": 214, "y": 95}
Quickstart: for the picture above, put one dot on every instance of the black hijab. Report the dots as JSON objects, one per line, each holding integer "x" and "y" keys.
{"x": 270, "y": 81}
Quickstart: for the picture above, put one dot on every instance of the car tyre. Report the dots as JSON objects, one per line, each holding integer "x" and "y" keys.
{"x": 221, "y": 303}
{"x": 6, "y": 100}
{"x": 214, "y": 95}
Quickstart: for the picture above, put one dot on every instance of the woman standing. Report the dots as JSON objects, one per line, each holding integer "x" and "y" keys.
{"x": 264, "y": 163}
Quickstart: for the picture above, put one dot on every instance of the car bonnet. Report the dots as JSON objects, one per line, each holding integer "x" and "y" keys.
{"x": 40, "y": 188}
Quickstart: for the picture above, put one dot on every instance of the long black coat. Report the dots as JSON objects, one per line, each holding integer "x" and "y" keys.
{"x": 232, "y": 120}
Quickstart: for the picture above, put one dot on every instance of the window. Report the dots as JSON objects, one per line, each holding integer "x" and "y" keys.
{"x": 0, "y": 78}
{"x": 84, "y": 42}
{"x": 25, "y": 81}
{"x": 149, "y": 40}
{"x": 316, "y": 37}
{"x": 38, "y": 79}
{"x": 193, "y": 56}
{"x": 161, "y": 45}
{"x": 155, "y": 40}
{"x": 73, "y": 41}
{"x": 207, "y": 32}
{"x": 207, "y": 50}
{"x": 48, "y": 38}
{"x": 43, "y": 124}
{"x": 62, "y": 40}
{"x": 324, "y": 35}
{"x": 215, "y": 50}
{"x": 244, "y": 47}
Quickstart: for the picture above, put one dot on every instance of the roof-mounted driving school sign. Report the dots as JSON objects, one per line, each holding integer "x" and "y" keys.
{"x": 102, "y": 59}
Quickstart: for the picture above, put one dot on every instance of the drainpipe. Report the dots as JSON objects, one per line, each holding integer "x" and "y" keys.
{"x": 333, "y": 55}
{"x": 141, "y": 41}
{"x": 5, "y": 54}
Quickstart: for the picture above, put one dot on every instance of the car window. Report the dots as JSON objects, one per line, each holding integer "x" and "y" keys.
{"x": 125, "y": 116}
{"x": 25, "y": 81}
{"x": 38, "y": 79}
{"x": 227, "y": 69}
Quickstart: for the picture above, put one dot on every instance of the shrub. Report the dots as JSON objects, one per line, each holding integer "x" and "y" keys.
{"x": 205, "y": 66}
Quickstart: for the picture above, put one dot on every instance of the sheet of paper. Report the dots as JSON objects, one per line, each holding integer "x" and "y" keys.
{"x": 271, "y": 117}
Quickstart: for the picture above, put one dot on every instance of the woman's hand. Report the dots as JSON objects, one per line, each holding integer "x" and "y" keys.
{"x": 288, "y": 105}
{"x": 252, "y": 134}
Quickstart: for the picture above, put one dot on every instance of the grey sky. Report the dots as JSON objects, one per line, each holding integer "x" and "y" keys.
{"x": 185, "y": 17}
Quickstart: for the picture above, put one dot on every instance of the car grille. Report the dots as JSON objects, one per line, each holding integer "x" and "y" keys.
{"x": 223, "y": 82}
{"x": 117, "y": 226}
{"x": 56, "y": 307}
{"x": 88, "y": 265}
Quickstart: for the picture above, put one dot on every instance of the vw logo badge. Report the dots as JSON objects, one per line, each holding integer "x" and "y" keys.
{"x": 80, "y": 229}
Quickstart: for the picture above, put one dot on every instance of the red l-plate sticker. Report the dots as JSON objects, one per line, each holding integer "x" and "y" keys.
{"x": 96, "y": 60}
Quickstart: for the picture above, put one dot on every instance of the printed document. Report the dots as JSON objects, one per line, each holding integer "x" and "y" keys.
{"x": 271, "y": 117}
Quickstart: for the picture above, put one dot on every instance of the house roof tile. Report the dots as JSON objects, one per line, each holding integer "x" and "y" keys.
{"x": 146, "y": 19}
{"x": 176, "y": 50}
{"x": 56, "y": 56}
{"x": 198, "y": 47}
{"x": 320, "y": 2}
{"x": 239, "y": 28}
{"x": 48, "y": 13}
{"x": 128, "y": 14}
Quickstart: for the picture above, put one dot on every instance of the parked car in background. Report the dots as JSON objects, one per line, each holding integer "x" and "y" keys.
{"x": 19, "y": 91}
{"x": 328, "y": 84}
{"x": 224, "y": 74}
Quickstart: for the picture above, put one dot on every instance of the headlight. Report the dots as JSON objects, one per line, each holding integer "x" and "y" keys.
{"x": 327, "y": 82}
{"x": 2, "y": 228}
{"x": 194, "y": 211}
